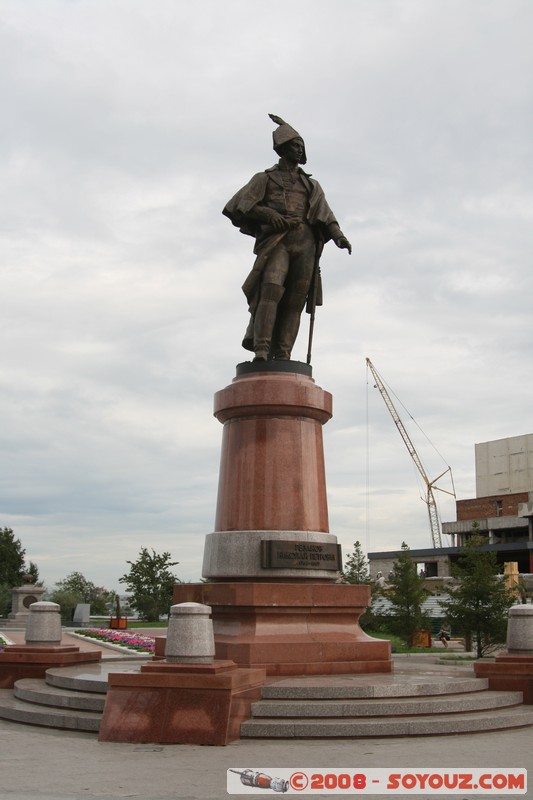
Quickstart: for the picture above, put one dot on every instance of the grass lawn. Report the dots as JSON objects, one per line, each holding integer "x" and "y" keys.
{"x": 134, "y": 623}
{"x": 399, "y": 646}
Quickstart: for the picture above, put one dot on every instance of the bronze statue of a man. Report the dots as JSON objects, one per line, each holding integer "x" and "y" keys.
{"x": 287, "y": 213}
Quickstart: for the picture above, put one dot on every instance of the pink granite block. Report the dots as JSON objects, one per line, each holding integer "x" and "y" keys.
{"x": 172, "y": 707}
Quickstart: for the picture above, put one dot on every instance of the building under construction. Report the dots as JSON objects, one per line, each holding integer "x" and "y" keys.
{"x": 501, "y": 512}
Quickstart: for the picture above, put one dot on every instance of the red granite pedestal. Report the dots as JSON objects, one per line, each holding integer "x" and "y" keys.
{"x": 272, "y": 474}
{"x": 509, "y": 673}
{"x": 286, "y": 615}
{"x": 268, "y": 618}
{"x": 291, "y": 628}
{"x": 28, "y": 661}
{"x": 180, "y": 703}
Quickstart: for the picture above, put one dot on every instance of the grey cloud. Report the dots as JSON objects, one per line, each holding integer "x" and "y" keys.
{"x": 127, "y": 127}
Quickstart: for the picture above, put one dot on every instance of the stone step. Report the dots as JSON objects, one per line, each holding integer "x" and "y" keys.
{"x": 395, "y": 685}
{"x": 16, "y": 710}
{"x": 35, "y": 690}
{"x": 72, "y": 698}
{"x": 375, "y": 707}
{"x": 412, "y": 702}
{"x": 425, "y": 725}
{"x": 91, "y": 677}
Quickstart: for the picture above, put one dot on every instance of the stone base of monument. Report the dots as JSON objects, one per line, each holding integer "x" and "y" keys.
{"x": 291, "y": 628}
{"x": 22, "y": 597}
{"x": 271, "y": 562}
{"x": 189, "y": 698}
{"x": 174, "y": 703}
{"x": 42, "y": 649}
{"x": 29, "y": 661}
{"x": 509, "y": 673}
{"x": 513, "y": 671}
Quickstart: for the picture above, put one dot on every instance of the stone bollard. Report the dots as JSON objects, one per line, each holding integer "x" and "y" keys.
{"x": 190, "y": 638}
{"x": 44, "y": 624}
{"x": 520, "y": 630}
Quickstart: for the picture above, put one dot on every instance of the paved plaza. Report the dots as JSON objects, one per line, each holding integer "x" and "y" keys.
{"x": 45, "y": 764}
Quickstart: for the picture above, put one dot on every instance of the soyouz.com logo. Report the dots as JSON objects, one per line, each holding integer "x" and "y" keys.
{"x": 434, "y": 781}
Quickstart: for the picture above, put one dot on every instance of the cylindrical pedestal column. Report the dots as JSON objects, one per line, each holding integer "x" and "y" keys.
{"x": 190, "y": 638}
{"x": 520, "y": 630}
{"x": 271, "y": 561}
{"x": 272, "y": 483}
{"x": 272, "y": 474}
{"x": 44, "y": 624}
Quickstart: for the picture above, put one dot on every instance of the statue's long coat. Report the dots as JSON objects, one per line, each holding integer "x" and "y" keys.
{"x": 319, "y": 216}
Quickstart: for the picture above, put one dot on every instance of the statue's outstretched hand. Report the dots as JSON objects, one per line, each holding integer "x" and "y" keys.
{"x": 344, "y": 244}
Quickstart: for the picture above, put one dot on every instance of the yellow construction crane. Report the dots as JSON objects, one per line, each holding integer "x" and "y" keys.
{"x": 434, "y": 521}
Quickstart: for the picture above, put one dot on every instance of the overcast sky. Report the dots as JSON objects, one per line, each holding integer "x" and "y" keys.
{"x": 126, "y": 126}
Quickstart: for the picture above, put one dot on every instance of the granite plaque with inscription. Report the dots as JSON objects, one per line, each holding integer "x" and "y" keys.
{"x": 283, "y": 554}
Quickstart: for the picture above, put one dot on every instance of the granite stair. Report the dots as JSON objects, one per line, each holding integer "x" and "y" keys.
{"x": 411, "y": 702}
{"x": 72, "y": 698}
{"x": 304, "y": 709}
{"x": 16, "y": 710}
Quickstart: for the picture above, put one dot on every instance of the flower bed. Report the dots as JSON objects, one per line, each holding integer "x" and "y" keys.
{"x": 127, "y": 639}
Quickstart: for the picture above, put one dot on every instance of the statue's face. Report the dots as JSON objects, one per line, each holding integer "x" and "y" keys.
{"x": 294, "y": 150}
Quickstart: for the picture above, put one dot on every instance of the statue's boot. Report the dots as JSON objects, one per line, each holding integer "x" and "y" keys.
{"x": 265, "y": 319}
{"x": 248, "y": 340}
{"x": 289, "y": 325}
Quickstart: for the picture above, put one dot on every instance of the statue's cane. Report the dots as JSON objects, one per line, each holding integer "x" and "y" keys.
{"x": 311, "y": 300}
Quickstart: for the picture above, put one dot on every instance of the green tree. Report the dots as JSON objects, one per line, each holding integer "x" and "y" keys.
{"x": 74, "y": 589}
{"x": 356, "y": 566}
{"x": 67, "y": 602}
{"x": 479, "y": 603}
{"x": 356, "y": 571}
{"x": 11, "y": 559}
{"x": 5, "y": 600}
{"x": 33, "y": 570}
{"x": 151, "y": 584}
{"x": 11, "y": 567}
{"x": 406, "y": 593}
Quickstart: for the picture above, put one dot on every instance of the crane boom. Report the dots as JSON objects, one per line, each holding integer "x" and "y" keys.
{"x": 434, "y": 521}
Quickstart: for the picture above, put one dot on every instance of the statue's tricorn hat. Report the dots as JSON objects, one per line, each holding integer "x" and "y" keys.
{"x": 283, "y": 134}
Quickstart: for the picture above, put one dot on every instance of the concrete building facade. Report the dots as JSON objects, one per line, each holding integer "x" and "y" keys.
{"x": 504, "y": 466}
{"x": 501, "y": 512}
